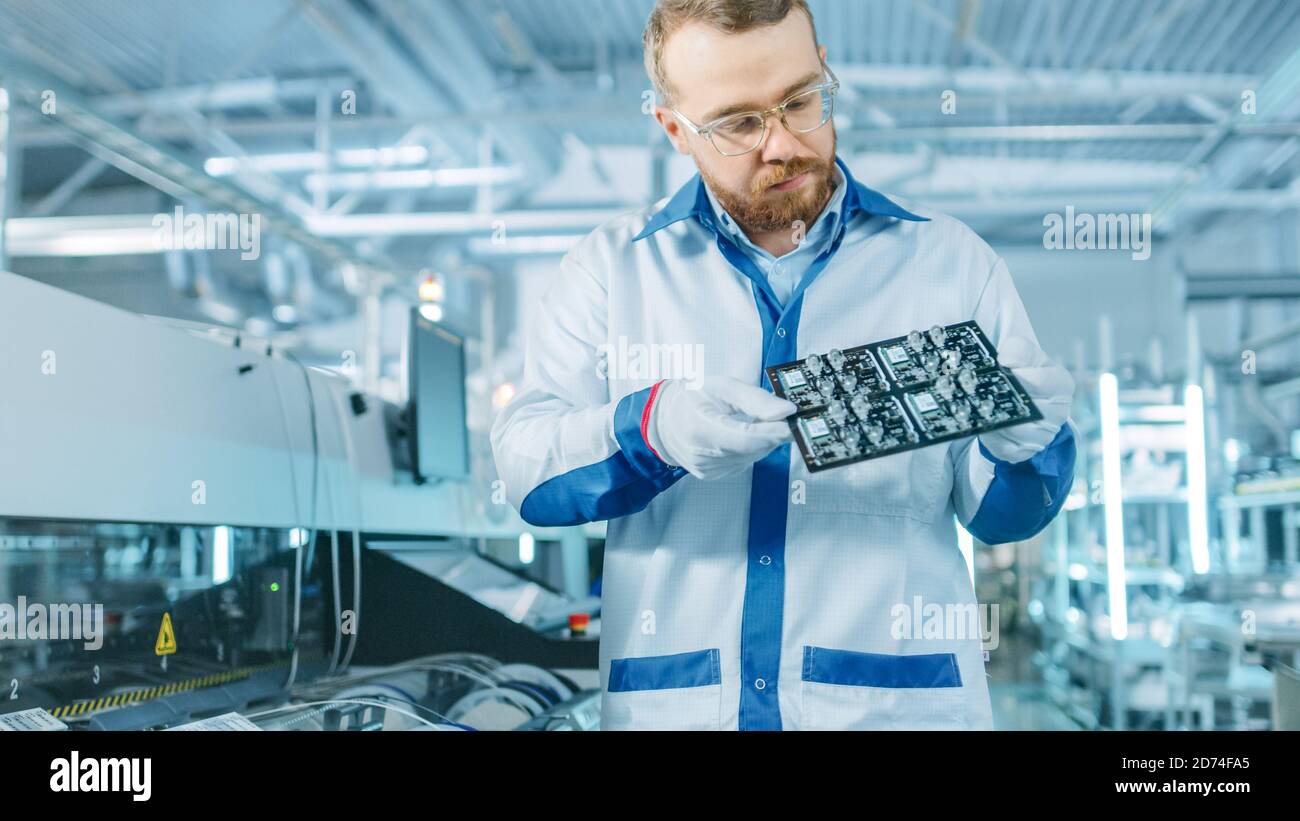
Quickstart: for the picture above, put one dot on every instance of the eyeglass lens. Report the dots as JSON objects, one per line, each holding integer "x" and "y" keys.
{"x": 742, "y": 133}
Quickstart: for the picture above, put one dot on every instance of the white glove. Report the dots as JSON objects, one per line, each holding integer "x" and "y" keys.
{"x": 1052, "y": 389}
{"x": 716, "y": 427}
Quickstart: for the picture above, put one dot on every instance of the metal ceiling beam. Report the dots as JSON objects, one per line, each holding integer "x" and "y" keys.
{"x": 1276, "y": 97}
{"x": 389, "y": 72}
{"x": 44, "y": 134}
{"x": 910, "y": 88}
{"x": 1202, "y": 287}
{"x": 461, "y": 223}
{"x": 180, "y": 108}
{"x": 70, "y": 187}
{"x": 1066, "y": 133}
{"x": 1145, "y": 33}
{"x": 434, "y": 33}
{"x": 1065, "y": 85}
{"x": 161, "y": 166}
{"x": 259, "y": 92}
{"x": 132, "y": 233}
{"x": 968, "y": 39}
{"x": 961, "y": 32}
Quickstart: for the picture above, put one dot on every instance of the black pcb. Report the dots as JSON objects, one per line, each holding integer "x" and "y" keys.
{"x": 903, "y": 393}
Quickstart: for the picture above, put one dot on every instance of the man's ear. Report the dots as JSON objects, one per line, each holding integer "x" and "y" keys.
{"x": 821, "y": 52}
{"x": 673, "y": 128}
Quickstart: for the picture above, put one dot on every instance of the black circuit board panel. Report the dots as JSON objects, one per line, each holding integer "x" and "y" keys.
{"x": 903, "y": 393}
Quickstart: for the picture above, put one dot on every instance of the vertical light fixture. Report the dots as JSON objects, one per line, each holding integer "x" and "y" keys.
{"x": 526, "y": 548}
{"x": 1113, "y": 501}
{"x": 1197, "y": 522}
{"x": 220, "y": 554}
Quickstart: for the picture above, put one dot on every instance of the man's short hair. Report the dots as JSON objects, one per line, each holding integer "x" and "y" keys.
{"x": 730, "y": 16}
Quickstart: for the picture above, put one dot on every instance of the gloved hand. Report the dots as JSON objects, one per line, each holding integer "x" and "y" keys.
{"x": 1048, "y": 384}
{"x": 716, "y": 427}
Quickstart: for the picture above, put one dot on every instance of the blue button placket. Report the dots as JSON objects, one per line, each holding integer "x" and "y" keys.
{"x": 764, "y": 602}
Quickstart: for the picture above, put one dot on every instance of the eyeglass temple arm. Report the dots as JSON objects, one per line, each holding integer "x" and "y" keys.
{"x": 695, "y": 129}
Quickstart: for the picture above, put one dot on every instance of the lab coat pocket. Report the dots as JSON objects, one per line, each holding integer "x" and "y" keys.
{"x": 849, "y": 690}
{"x": 676, "y": 692}
{"x": 903, "y": 484}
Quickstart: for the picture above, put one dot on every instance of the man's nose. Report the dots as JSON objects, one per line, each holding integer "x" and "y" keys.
{"x": 781, "y": 144}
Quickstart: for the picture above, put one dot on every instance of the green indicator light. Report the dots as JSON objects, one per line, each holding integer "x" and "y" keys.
{"x": 275, "y": 587}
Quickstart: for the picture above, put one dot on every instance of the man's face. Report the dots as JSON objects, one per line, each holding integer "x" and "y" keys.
{"x": 787, "y": 178}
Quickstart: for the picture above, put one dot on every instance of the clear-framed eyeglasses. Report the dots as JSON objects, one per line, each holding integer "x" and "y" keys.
{"x": 741, "y": 133}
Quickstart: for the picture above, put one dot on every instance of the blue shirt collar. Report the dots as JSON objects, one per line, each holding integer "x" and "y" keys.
{"x": 692, "y": 200}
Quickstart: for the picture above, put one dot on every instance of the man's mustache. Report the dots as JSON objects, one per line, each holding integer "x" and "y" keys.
{"x": 786, "y": 172}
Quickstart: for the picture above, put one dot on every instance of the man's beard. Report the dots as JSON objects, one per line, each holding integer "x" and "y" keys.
{"x": 759, "y": 210}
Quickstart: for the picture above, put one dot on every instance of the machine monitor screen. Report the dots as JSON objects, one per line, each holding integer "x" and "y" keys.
{"x": 436, "y": 378}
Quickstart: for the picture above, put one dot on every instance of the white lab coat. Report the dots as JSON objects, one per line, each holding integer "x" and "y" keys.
{"x": 776, "y": 598}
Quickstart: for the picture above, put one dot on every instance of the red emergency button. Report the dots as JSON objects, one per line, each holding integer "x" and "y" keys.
{"x": 578, "y": 623}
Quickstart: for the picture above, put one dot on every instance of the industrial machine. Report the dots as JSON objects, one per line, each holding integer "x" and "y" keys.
{"x": 195, "y": 525}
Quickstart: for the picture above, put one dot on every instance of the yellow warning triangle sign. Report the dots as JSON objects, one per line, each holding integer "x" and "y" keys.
{"x": 166, "y": 644}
